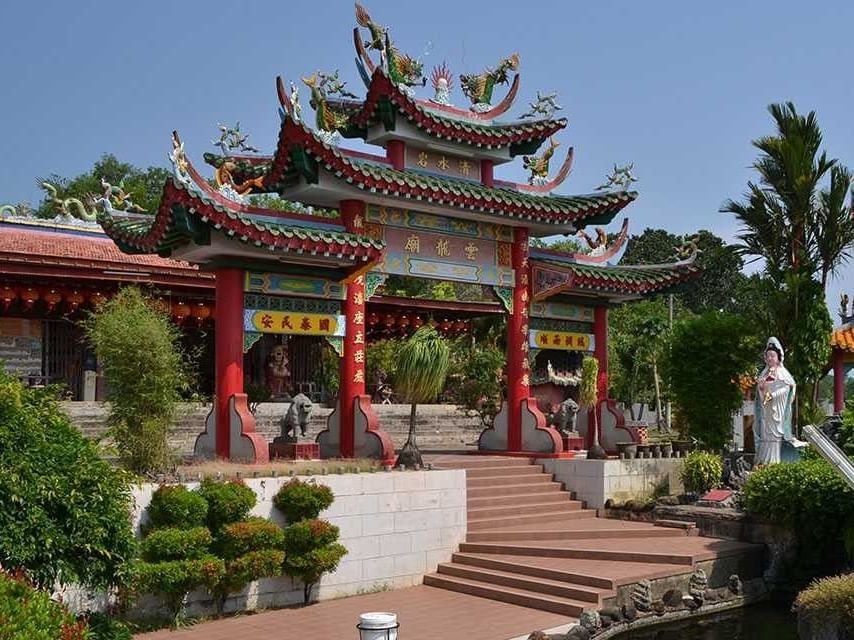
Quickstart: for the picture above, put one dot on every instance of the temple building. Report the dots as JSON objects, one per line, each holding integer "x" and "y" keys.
{"x": 426, "y": 204}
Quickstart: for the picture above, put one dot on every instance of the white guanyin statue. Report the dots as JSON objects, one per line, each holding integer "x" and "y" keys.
{"x": 775, "y": 398}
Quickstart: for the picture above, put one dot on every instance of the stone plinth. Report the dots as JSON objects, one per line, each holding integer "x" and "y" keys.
{"x": 295, "y": 450}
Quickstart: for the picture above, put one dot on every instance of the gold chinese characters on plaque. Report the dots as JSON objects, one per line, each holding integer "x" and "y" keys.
{"x": 443, "y": 164}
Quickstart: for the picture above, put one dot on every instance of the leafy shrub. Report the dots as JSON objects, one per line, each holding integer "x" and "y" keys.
{"x": 299, "y": 500}
{"x": 243, "y": 570}
{"x": 176, "y": 544}
{"x": 176, "y": 506}
{"x": 702, "y": 471}
{"x": 254, "y": 534}
{"x": 176, "y": 578}
{"x": 104, "y": 627}
{"x": 27, "y": 613}
{"x": 827, "y": 599}
{"x": 808, "y": 496}
{"x": 708, "y": 355}
{"x": 227, "y": 502}
{"x": 64, "y": 511}
{"x": 310, "y": 551}
{"x": 477, "y": 369}
{"x": 139, "y": 350}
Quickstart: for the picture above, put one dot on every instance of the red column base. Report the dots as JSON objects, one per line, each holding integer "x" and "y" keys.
{"x": 295, "y": 450}
{"x": 537, "y": 436}
{"x": 246, "y": 445}
{"x": 369, "y": 438}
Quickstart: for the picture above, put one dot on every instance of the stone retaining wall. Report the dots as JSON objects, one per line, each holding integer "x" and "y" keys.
{"x": 596, "y": 481}
{"x": 397, "y": 526}
{"x": 439, "y": 427}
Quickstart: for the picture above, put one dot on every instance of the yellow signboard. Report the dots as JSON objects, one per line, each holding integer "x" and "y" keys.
{"x": 562, "y": 340}
{"x": 293, "y": 323}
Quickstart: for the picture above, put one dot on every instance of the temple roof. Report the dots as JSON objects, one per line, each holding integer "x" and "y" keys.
{"x": 300, "y": 154}
{"x": 553, "y": 276}
{"x": 189, "y": 214}
{"x": 386, "y": 101}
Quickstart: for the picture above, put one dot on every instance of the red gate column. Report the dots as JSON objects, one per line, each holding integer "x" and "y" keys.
{"x": 352, "y": 429}
{"x": 600, "y": 352}
{"x": 838, "y": 381}
{"x": 229, "y": 350}
{"x": 517, "y": 340}
{"x": 230, "y": 426}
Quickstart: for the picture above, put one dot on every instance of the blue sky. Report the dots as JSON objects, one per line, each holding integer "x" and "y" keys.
{"x": 679, "y": 88}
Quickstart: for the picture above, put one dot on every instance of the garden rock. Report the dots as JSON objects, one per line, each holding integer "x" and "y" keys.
{"x": 577, "y": 633}
{"x": 629, "y": 612}
{"x": 734, "y": 585}
{"x": 673, "y": 598}
{"x": 611, "y": 613}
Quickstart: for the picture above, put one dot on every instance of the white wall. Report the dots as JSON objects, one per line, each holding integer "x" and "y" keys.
{"x": 595, "y": 481}
{"x": 397, "y": 526}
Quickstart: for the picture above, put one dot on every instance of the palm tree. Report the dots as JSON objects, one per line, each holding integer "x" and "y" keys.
{"x": 834, "y": 220}
{"x": 420, "y": 375}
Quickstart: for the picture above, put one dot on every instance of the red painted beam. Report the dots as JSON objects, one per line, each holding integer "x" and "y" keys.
{"x": 229, "y": 350}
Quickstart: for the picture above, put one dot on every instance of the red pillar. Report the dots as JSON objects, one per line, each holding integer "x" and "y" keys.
{"x": 229, "y": 350}
{"x": 838, "y": 381}
{"x": 395, "y": 152}
{"x": 600, "y": 352}
{"x": 517, "y": 340}
{"x": 355, "y": 343}
{"x": 487, "y": 174}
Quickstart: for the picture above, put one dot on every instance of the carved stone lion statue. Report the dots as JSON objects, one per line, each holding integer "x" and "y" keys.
{"x": 297, "y": 415}
{"x": 564, "y": 417}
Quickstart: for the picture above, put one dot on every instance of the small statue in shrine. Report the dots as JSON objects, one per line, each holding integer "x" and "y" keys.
{"x": 298, "y": 415}
{"x": 564, "y": 417}
{"x": 277, "y": 370}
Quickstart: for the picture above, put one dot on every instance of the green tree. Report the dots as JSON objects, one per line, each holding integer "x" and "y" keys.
{"x": 802, "y": 230}
{"x": 708, "y": 356}
{"x": 64, "y": 511}
{"x": 146, "y": 371}
{"x": 721, "y": 277}
{"x": 144, "y": 185}
{"x": 565, "y": 244}
{"x": 421, "y": 370}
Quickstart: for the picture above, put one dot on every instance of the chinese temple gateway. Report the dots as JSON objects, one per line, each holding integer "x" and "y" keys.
{"x": 429, "y": 205}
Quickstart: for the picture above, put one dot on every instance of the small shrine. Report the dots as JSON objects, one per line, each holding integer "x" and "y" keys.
{"x": 427, "y": 204}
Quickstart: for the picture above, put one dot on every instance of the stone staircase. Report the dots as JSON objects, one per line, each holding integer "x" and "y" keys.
{"x": 530, "y": 543}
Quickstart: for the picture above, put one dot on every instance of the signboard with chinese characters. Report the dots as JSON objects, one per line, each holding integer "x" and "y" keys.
{"x": 442, "y": 164}
{"x": 283, "y": 284}
{"x": 293, "y": 323}
{"x": 430, "y": 246}
{"x": 561, "y": 311}
{"x": 562, "y": 340}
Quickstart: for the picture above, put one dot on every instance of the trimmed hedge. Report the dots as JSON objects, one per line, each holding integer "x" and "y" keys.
{"x": 310, "y": 551}
{"x": 303, "y": 500}
{"x": 27, "y": 613}
{"x": 176, "y": 544}
{"x": 243, "y": 570}
{"x": 176, "y": 506}
{"x": 254, "y": 534}
{"x": 228, "y": 502}
{"x": 176, "y": 578}
{"x": 829, "y": 599}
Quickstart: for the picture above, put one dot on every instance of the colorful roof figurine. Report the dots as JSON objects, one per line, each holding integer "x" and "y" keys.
{"x": 193, "y": 218}
{"x": 842, "y": 338}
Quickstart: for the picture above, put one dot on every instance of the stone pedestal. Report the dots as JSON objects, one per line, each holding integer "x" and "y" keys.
{"x": 295, "y": 450}
{"x": 573, "y": 443}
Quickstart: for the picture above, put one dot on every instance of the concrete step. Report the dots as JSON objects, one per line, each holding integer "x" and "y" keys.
{"x": 515, "y": 480}
{"x": 557, "y": 588}
{"x": 514, "y": 490}
{"x": 570, "y": 534}
{"x": 504, "y": 471}
{"x": 518, "y": 565}
{"x": 478, "y": 513}
{"x": 538, "y": 497}
{"x": 477, "y": 462}
{"x": 690, "y": 528}
{"x": 544, "y": 550}
{"x": 482, "y": 524}
{"x": 554, "y": 604}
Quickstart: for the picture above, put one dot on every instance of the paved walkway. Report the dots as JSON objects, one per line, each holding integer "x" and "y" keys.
{"x": 424, "y": 613}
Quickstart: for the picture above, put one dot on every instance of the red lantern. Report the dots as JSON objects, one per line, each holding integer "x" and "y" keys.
{"x": 180, "y": 310}
{"x": 460, "y": 326}
{"x": 74, "y": 299}
{"x": 417, "y": 321}
{"x": 52, "y": 297}
{"x": 8, "y": 295}
{"x": 388, "y": 320}
{"x": 373, "y": 319}
{"x": 403, "y": 321}
{"x": 96, "y": 298}
{"x": 201, "y": 312}
{"x": 445, "y": 325}
{"x": 30, "y": 296}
